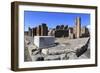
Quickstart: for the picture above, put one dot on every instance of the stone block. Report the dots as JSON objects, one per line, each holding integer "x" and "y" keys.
{"x": 45, "y": 51}
{"x": 44, "y": 41}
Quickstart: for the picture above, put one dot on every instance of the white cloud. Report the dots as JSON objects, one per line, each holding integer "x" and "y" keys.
{"x": 88, "y": 26}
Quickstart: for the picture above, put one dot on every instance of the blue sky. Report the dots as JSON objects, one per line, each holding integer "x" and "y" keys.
{"x": 35, "y": 18}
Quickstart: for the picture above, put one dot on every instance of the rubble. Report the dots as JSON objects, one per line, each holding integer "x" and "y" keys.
{"x": 65, "y": 50}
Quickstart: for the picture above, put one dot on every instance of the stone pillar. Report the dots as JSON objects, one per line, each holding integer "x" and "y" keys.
{"x": 32, "y": 32}
{"x": 78, "y": 27}
{"x": 71, "y": 34}
{"x": 35, "y": 33}
{"x": 39, "y": 30}
{"x": 44, "y": 30}
{"x": 29, "y": 31}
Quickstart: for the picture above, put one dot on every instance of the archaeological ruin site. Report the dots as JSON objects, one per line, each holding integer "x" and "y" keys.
{"x": 42, "y": 43}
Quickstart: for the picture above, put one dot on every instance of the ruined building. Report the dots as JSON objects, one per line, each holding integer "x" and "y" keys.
{"x": 60, "y": 30}
{"x": 85, "y": 32}
{"x": 41, "y": 30}
{"x": 71, "y": 32}
{"x": 80, "y": 31}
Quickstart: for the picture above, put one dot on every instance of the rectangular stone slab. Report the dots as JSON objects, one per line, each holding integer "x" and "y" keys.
{"x": 44, "y": 41}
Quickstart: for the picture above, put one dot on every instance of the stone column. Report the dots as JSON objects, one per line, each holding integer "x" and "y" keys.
{"x": 29, "y": 31}
{"x": 71, "y": 35}
{"x": 37, "y": 31}
{"x": 44, "y": 30}
{"x": 78, "y": 27}
{"x": 33, "y": 32}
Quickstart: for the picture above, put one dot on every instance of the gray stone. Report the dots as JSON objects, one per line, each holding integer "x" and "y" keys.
{"x": 44, "y": 41}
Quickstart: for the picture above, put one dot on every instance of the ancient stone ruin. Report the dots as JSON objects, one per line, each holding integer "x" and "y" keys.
{"x": 58, "y": 43}
{"x": 41, "y": 30}
{"x": 60, "y": 30}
